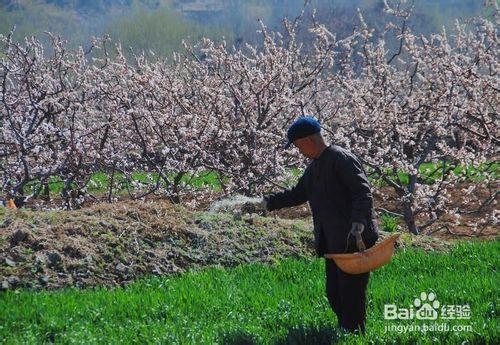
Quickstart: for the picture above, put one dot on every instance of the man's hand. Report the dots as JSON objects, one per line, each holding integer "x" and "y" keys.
{"x": 357, "y": 227}
{"x": 261, "y": 205}
{"x": 356, "y": 230}
{"x": 255, "y": 206}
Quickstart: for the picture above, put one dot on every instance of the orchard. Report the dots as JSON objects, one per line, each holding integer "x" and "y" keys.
{"x": 419, "y": 111}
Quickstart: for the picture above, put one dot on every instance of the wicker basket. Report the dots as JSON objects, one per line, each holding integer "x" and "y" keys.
{"x": 372, "y": 258}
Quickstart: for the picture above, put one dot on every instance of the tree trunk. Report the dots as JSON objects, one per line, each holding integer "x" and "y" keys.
{"x": 46, "y": 191}
{"x": 409, "y": 218}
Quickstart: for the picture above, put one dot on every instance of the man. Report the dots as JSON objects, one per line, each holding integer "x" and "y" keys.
{"x": 338, "y": 192}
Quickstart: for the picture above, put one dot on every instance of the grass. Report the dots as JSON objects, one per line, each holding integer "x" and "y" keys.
{"x": 389, "y": 223}
{"x": 430, "y": 173}
{"x": 279, "y": 304}
{"x": 99, "y": 182}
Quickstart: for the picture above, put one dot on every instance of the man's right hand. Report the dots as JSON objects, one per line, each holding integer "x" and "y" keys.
{"x": 255, "y": 206}
{"x": 261, "y": 205}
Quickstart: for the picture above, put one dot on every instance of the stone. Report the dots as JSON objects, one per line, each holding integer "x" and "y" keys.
{"x": 88, "y": 259}
{"x": 17, "y": 237}
{"x": 172, "y": 268}
{"x": 17, "y": 254}
{"x": 13, "y": 281}
{"x": 148, "y": 242}
{"x": 249, "y": 220}
{"x": 205, "y": 226}
{"x": 10, "y": 262}
{"x": 38, "y": 245}
{"x": 108, "y": 257}
{"x": 121, "y": 268}
{"x": 39, "y": 260}
{"x": 54, "y": 258}
{"x": 39, "y": 263}
{"x": 156, "y": 270}
{"x": 5, "y": 285}
{"x": 43, "y": 280}
{"x": 6, "y": 223}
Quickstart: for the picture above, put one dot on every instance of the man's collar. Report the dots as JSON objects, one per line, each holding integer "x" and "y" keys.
{"x": 323, "y": 152}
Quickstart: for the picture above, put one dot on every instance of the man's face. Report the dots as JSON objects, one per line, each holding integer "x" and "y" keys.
{"x": 306, "y": 146}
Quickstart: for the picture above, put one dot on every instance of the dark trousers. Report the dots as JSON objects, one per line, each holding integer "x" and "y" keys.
{"x": 347, "y": 296}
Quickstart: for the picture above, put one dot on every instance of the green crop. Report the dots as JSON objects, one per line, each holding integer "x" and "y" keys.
{"x": 283, "y": 303}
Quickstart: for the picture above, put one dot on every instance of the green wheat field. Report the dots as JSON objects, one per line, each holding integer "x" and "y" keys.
{"x": 283, "y": 303}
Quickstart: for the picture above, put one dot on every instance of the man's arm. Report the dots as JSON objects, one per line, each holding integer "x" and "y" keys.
{"x": 351, "y": 173}
{"x": 288, "y": 198}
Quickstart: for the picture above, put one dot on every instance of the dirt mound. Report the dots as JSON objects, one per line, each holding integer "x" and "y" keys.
{"x": 112, "y": 244}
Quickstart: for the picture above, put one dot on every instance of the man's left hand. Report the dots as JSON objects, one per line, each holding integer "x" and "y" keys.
{"x": 356, "y": 230}
{"x": 357, "y": 227}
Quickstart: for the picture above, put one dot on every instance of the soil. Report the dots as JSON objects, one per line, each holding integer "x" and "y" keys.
{"x": 114, "y": 244}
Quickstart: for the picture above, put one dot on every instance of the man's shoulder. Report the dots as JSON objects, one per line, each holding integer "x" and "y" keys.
{"x": 330, "y": 156}
{"x": 339, "y": 153}
{"x": 336, "y": 151}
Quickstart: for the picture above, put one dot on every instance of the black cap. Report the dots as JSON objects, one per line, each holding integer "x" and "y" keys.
{"x": 301, "y": 128}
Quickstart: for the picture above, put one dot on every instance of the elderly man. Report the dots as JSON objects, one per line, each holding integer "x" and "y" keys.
{"x": 336, "y": 187}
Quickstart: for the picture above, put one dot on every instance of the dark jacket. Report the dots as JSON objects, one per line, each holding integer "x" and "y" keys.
{"x": 338, "y": 191}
